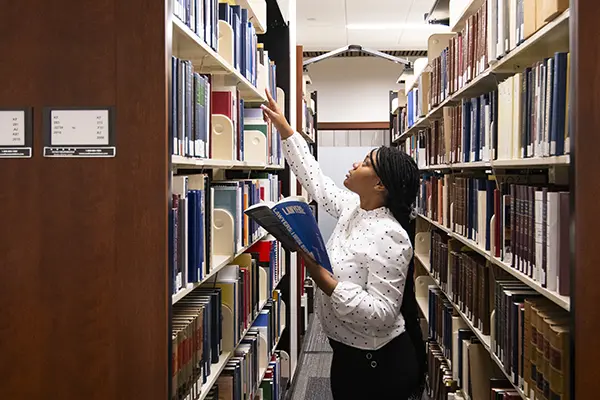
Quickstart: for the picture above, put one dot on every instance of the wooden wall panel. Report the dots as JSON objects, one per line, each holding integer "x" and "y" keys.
{"x": 83, "y": 242}
{"x": 585, "y": 121}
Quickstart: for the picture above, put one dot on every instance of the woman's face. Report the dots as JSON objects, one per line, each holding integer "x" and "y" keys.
{"x": 362, "y": 179}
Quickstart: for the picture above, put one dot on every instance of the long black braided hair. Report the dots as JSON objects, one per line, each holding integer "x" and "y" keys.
{"x": 399, "y": 174}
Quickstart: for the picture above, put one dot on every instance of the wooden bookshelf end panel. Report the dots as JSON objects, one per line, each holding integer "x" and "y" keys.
{"x": 83, "y": 246}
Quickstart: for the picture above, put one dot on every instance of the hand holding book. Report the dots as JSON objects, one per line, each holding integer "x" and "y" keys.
{"x": 321, "y": 276}
{"x": 272, "y": 113}
{"x": 292, "y": 222}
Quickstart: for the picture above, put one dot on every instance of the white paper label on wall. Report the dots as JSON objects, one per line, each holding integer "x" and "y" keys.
{"x": 79, "y": 133}
{"x": 15, "y": 133}
{"x": 79, "y": 127}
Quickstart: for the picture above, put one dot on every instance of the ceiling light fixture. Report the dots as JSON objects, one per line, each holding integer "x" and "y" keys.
{"x": 379, "y": 27}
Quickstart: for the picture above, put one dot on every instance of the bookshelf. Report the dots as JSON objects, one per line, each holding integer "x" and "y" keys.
{"x": 111, "y": 287}
{"x": 463, "y": 228}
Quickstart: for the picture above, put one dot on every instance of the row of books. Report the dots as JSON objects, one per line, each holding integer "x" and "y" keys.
{"x": 202, "y": 17}
{"x": 529, "y": 335}
{"x": 532, "y": 341}
{"x": 464, "y": 276}
{"x": 518, "y": 219}
{"x": 221, "y": 318}
{"x": 492, "y": 32}
{"x": 231, "y": 383}
{"x": 464, "y": 59}
{"x": 533, "y": 111}
{"x": 527, "y": 116}
{"x": 511, "y": 22}
{"x": 241, "y": 378}
{"x": 461, "y": 368}
{"x": 489, "y": 34}
{"x": 195, "y": 100}
{"x": 416, "y": 100}
{"x": 197, "y": 338}
{"x": 398, "y": 124}
{"x": 195, "y": 197}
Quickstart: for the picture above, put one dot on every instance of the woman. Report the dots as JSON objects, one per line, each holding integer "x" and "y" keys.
{"x": 368, "y": 307}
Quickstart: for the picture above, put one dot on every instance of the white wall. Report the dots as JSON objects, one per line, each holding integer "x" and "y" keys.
{"x": 354, "y": 89}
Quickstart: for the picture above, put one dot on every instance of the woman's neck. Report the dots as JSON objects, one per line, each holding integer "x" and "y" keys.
{"x": 371, "y": 203}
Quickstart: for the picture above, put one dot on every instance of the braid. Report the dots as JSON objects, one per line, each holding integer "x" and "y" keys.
{"x": 400, "y": 176}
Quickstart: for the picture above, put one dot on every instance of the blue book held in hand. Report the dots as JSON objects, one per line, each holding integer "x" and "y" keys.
{"x": 292, "y": 223}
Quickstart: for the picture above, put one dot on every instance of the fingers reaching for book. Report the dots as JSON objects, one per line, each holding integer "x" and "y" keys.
{"x": 272, "y": 104}
{"x": 273, "y": 114}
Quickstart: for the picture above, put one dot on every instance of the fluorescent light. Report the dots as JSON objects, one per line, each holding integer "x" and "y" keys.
{"x": 379, "y": 27}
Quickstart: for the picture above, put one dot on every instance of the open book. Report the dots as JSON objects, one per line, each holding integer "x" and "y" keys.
{"x": 292, "y": 222}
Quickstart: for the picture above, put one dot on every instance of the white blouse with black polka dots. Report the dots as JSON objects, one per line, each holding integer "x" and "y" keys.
{"x": 370, "y": 253}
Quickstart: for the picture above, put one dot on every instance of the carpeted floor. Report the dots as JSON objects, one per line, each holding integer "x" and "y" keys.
{"x": 312, "y": 376}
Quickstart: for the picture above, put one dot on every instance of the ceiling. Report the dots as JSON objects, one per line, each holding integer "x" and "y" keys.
{"x": 322, "y": 24}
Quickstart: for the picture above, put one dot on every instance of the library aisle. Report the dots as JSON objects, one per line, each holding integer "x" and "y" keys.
{"x": 132, "y": 145}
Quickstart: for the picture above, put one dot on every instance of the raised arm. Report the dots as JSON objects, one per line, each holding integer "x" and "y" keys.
{"x": 322, "y": 188}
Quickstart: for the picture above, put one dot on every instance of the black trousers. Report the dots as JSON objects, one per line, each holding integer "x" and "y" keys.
{"x": 390, "y": 373}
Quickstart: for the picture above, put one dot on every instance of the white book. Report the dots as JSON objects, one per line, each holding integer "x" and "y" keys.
{"x": 517, "y": 115}
{"x": 492, "y": 29}
{"x": 501, "y": 39}
{"x": 487, "y": 132}
{"x": 552, "y": 241}
{"x": 512, "y": 25}
{"x": 505, "y": 116}
{"x": 180, "y": 187}
{"x": 538, "y": 234}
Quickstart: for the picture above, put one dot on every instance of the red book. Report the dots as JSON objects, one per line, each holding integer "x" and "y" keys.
{"x": 222, "y": 104}
{"x": 263, "y": 249}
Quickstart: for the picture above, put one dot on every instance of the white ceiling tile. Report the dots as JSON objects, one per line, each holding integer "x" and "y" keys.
{"x": 322, "y": 38}
{"x": 329, "y": 12}
{"x": 322, "y": 23}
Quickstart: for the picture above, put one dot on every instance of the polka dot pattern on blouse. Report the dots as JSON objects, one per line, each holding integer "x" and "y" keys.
{"x": 370, "y": 253}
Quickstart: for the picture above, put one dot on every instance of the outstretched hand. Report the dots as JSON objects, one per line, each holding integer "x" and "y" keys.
{"x": 272, "y": 113}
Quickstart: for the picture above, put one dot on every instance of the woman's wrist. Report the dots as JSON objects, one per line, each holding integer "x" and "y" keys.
{"x": 321, "y": 276}
{"x": 286, "y": 132}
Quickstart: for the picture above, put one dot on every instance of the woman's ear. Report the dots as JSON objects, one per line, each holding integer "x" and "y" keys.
{"x": 379, "y": 187}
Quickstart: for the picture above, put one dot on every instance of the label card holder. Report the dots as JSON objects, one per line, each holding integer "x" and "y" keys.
{"x": 16, "y": 133}
{"x": 79, "y": 132}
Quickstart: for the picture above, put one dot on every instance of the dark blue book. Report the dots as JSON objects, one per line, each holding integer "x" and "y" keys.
{"x": 225, "y": 12}
{"x": 292, "y": 222}
{"x": 236, "y": 24}
{"x": 489, "y": 201}
{"x": 240, "y": 129}
{"x": 244, "y": 41}
{"x": 466, "y": 116}
{"x": 559, "y": 103}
